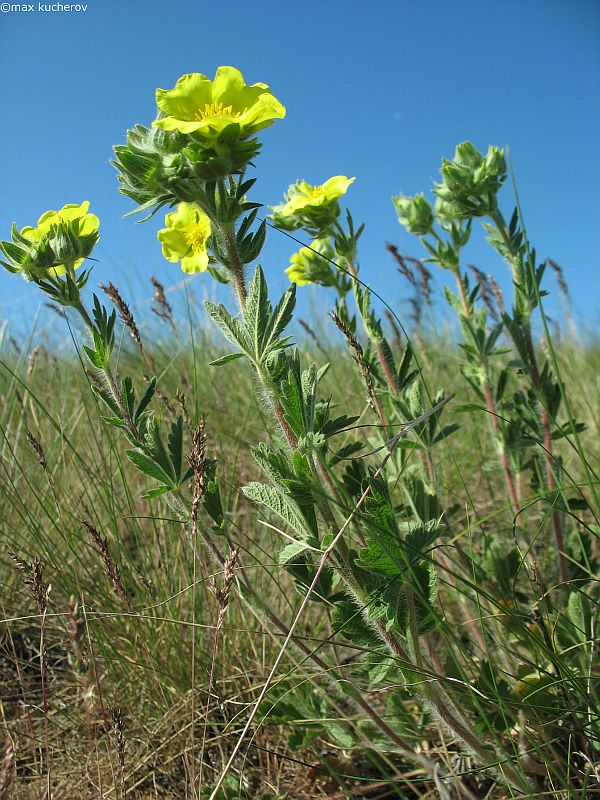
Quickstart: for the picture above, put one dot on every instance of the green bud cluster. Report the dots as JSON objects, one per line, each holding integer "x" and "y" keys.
{"x": 157, "y": 167}
{"x": 470, "y": 182}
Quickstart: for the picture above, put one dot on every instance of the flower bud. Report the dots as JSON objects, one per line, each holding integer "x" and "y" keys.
{"x": 414, "y": 213}
{"x": 470, "y": 183}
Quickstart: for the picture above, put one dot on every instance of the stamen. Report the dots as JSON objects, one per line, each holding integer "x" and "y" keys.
{"x": 216, "y": 110}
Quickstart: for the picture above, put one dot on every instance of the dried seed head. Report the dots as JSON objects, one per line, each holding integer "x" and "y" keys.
{"x": 359, "y": 357}
{"x": 560, "y": 277}
{"x": 198, "y": 463}
{"x": 394, "y": 326}
{"x": 6, "y": 770}
{"x": 416, "y": 315}
{"x": 32, "y": 360}
{"x": 486, "y": 292}
{"x": 402, "y": 264}
{"x": 117, "y": 734}
{"x": 223, "y": 595}
{"x": 117, "y": 719}
{"x": 180, "y": 398}
{"x": 498, "y": 294}
{"x": 425, "y": 281}
{"x": 161, "y": 306}
{"x": 34, "y": 579}
{"x": 39, "y": 451}
{"x": 57, "y": 309}
{"x": 111, "y": 568}
{"x": 124, "y": 311}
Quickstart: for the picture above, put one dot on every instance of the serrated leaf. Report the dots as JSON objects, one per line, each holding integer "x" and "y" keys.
{"x": 283, "y": 506}
{"x": 229, "y": 326}
{"x": 418, "y": 538}
{"x": 333, "y": 426}
{"x": 280, "y": 319}
{"x": 257, "y": 312}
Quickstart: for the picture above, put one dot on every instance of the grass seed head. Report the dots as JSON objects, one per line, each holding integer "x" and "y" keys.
{"x": 124, "y": 311}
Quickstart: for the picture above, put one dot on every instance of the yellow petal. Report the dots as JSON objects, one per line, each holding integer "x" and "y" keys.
{"x": 195, "y": 262}
{"x": 191, "y": 92}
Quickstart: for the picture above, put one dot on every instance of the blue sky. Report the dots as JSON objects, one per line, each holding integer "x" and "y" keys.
{"x": 379, "y": 90}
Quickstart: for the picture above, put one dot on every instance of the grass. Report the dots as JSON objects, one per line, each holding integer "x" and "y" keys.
{"x": 142, "y": 678}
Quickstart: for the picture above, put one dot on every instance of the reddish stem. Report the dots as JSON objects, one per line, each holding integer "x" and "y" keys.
{"x": 386, "y": 369}
{"x": 510, "y": 481}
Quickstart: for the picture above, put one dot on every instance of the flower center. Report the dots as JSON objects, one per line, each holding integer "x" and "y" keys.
{"x": 216, "y": 110}
{"x": 195, "y": 239}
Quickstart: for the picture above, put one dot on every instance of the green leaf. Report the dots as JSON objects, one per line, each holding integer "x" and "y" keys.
{"x": 348, "y": 621}
{"x": 218, "y": 362}
{"x": 340, "y": 734}
{"x": 282, "y": 505}
{"x": 579, "y": 610}
{"x": 291, "y": 550}
{"x": 128, "y": 395}
{"x": 107, "y": 398}
{"x": 96, "y": 358}
{"x": 257, "y": 312}
{"x": 211, "y": 501}
{"x": 419, "y": 537}
{"x": 149, "y": 467}
{"x": 175, "y": 444}
{"x": 229, "y": 326}
{"x": 145, "y": 400}
{"x": 151, "y": 493}
{"x": 392, "y": 598}
{"x": 156, "y": 449}
{"x": 280, "y": 319}
{"x": 333, "y": 426}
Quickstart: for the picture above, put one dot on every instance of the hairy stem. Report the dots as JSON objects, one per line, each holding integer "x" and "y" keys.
{"x": 236, "y": 267}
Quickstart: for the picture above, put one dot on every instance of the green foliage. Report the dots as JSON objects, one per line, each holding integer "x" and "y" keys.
{"x": 362, "y": 493}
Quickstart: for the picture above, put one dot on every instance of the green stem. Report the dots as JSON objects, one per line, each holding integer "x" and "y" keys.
{"x": 563, "y": 565}
{"x": 270, "y": 620}
{"x": 237, "y": 267}
{"x": 442, "y": 704}
{"x": 110, "y": 380}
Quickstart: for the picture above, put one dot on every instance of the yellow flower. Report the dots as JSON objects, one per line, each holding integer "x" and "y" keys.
{"x": 302, "y": 196}
{"x": 198, "y": 105}
{"x": 297, "y": 272}
{"x": 313, "y": 207}
{"x": 313, "y": 264}
{"x": 52, "y": 224}
{"x": 185, "y": 237}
